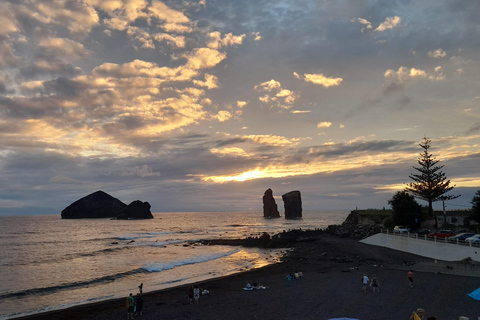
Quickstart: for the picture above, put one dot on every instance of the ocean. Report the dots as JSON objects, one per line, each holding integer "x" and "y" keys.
{"x": 47, "y": 263}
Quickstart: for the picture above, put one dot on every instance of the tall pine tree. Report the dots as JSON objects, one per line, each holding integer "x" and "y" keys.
{"x": 430, "y": 184}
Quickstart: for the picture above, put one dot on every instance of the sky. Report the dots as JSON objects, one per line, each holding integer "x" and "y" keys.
{"x": 203, "y": 105}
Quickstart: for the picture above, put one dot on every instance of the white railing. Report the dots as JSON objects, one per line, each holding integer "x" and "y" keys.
{"x": 427, "y": 238}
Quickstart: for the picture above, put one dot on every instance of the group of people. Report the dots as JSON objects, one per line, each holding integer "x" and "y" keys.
{"x": 294, "y": 276}
{"x": 376, "y": 285}
{"x": 255, "y": 286}
{"x": 194, "y": 293}
{"x": 373, "y": 283}
{"x": 134, "y": 305}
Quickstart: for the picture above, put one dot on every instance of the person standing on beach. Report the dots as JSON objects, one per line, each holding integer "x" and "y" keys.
{"x": 139, "y": 304}
{"x": 374, "y": 284}
{"x": 365, "y": 283}
{"x": 410, "y": 278}
{"x": 190, "y": 294}
{"x": 130, "y": 306}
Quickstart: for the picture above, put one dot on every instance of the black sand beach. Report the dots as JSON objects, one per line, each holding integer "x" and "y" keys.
{"x": 330, "y": 288}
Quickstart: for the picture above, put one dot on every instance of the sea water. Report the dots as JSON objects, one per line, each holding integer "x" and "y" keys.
{"x": 49, "y": 263}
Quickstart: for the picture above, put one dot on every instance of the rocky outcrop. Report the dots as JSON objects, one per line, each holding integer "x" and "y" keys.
{"x": 353, "y": 228}
{"x": 293, "y": 204}
{"x": 96, "y": 205}
{"x": 136, "y": 210}
{"x": 270, "y": 208}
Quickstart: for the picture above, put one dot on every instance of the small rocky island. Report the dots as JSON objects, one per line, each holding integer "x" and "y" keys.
{"x": 102, "y": 205}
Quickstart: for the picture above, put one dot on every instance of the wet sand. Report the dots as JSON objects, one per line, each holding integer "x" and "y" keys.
{"x": 330, "y": 288}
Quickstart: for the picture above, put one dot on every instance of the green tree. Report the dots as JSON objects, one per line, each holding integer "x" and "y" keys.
{"x": 406, "y": 211}
{"x": 430, "y": 184}
{"x": 476, "y": 207}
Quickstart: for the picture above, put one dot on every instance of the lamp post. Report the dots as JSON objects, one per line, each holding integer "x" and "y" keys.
{"x": 444, "y": 214}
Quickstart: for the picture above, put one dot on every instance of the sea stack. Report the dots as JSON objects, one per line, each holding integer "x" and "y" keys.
{"x": 293, "y": 204}
{"x": 270, "y": 208}
{"x": 136, "y": 210}
{"x": 96, "y": 205}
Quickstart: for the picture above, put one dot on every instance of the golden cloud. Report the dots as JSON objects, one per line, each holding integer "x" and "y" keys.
{"x": 403, "y": 74}
{"x": 389, "y": 23}
{"x": 229, "y": 40}
{"x": 324, "y": 124}
{"x": 204, "y": 58}
{"x": 320, "y": 79}
{"x": 210, "y": 81}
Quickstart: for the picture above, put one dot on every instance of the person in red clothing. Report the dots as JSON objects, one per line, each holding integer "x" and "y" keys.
{"x": 410, "y": 278}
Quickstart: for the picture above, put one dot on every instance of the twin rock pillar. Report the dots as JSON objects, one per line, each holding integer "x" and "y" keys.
{"x": 292, "y": 201}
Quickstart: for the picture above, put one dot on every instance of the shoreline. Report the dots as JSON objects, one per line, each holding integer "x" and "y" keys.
{"x": 330, "y": 288}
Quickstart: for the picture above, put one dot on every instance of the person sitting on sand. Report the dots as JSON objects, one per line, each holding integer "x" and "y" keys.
{"x": 289, "y": 277}
{"x": 420, "y": 313}
{"x": 300, "y": 273}
{"x": 296, "y": 276}
{"x": 196, "y": 293}
{"x": 257, "y": 286}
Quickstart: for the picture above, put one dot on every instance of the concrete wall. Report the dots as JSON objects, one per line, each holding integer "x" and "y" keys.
{"x": 426, "y": 248}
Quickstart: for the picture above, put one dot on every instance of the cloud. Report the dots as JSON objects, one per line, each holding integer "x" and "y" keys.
{"x": 7, "y": 20}
{"x": 78, "y": 17}
{"x": 272, "y": 140}
{"x": 275, "y": 95}
{"x": 269, "y": 85}
{"x": 178, "y": 41}
{"x": 233, "y": 152}
{"x": 223, "y": 115}
{"x": 389, "y": 23}
{"x": 229, "y": 40}
{"x": 299, "y": 111}
{"x": 322, "y": 80}
{"x": 62, "y": 180}
{"x": 7, "y": 55}
{"x": 63, "y": 47}
{"x": 324, "y": 124}
{"x": 210, "y": 82}
{"x": 404, "y": 73}
{"x": 241, "y": 104}
{"x": 204, "y": 58}
{"x": 257, "y": 36}
{"x": 175, "y": 21}
{"x": 141, "y": 171}
{"x": 366, "y": 23}
{"x": 438, "y": 53}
